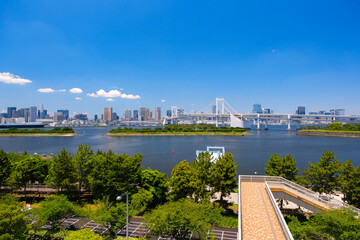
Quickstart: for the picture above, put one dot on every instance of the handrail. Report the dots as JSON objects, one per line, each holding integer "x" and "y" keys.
{"x": 239, "y": 213}
{"x": 280, "y": 217}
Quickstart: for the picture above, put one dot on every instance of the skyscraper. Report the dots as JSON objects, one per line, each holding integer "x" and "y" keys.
{"x": 136, "y": 115}
{"x": 144, "y": 114}
{"x": 257, "y": 108}
{"x": 33, "y": 114}
{"x": 108, "y": 113}
{"x": 9, "y": 111}
{"x": 300, "y": 110}
{"x": 157, "y": 113}
{"x": 65, "y": 112}
{"x": 127, "y": 114}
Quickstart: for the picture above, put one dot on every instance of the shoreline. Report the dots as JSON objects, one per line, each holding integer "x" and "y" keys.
{"x": 328, "y": 134}
{"x": 175, "y": 134}
{"x": 38, "y": 135}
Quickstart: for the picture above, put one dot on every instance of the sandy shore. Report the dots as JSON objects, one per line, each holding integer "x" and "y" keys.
{"x": 176, "y": 134}
{"x": 39, "y": 135}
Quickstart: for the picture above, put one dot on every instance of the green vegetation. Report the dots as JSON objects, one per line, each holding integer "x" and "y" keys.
{"x": 335, "y": 127}
{"x": 181, "y": 219}
{"x": 56, "y": 130}
{"x": 86, "y": 184}
{"x": 334, "y": 224}
{"x": 181, "y": 129}
{"x": 324, "y": 177}
{"x": 83, "y": 234}
{"x": 13, "y": 222}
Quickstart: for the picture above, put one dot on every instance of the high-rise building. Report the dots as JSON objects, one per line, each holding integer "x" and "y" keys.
{"x": 157, "y": 113}
{"x": 16, "y": 113}
{"x": 65, "y": 112}
{"x": 42, "y": 112}
{"x": 114, "y": 116}
{"x": 339, "y": 112}
{"x": 108, "y": 114}
{"x": 300, "y": 110}
{"x": 81, "y": 116}
{"x": 266, "y": 110}
{"x": 59, "y": 117}
{"x": 168, "y": 113}
{"x": 33, "y": 114}
{"x": 9, "y": 111}
{"x": 136, "y": 115}
{"x": 257, "y": 108}
{"x": 144, "y": 114}
{"x": 95, "y": 117}
{"x": 27, "y": 114}
{"x": 127, "y": 114}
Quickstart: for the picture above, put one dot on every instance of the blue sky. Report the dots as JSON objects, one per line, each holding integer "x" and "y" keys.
{"x": 280, "y": 53}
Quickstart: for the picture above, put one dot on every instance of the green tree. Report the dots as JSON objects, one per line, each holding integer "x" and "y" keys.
{"x": 224, "y": 176}
{"x": 334, "y": 224}
{"x": 53, "y": 209}
{"x": 181, "y": 219}
{"x": 5, "y": 167}
{"x": 155, "y": 182}
{"x": 349, "y": 179}
{"x": 141, "y": 201}
{"x": 182, "y": 183}
{"x": 82, "y": 158}
{"x": 83, "y": 234}
{"x": 110, "y": 215}
{"x": 13, "y": 223}
{"x": 29, "y": 169}
{"x": 112, "y": 174}
{"x": 283, "y": 167}
{"x": 203, "y": 168}
{"x": 322, "y": 177}
{"x": 62, "y": 174}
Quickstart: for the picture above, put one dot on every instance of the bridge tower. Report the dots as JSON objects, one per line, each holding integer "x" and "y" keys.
{"x": 220, "y": 109}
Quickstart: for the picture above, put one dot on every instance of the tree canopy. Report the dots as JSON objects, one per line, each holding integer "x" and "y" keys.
{"x": 322, "y": 177}
{"x": 282, "y": 166}
{"x": 181, "y": 219}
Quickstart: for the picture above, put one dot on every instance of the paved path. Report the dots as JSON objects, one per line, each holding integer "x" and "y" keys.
{"x": 259, "y": 220}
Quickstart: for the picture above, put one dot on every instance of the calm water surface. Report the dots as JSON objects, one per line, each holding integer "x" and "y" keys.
{"x": 250, "y": 152}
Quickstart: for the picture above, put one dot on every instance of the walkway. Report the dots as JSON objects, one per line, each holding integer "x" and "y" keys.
{"x": 259, "y": 220}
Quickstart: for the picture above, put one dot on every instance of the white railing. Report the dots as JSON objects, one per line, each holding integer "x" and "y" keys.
{"x": 279, "y": 215}
{"x": 239, "y": 213}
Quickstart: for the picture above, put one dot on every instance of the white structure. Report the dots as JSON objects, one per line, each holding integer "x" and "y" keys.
{"x": 216, "y": 152}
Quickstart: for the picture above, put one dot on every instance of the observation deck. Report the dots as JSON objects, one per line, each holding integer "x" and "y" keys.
{"x": 259, "y": 214}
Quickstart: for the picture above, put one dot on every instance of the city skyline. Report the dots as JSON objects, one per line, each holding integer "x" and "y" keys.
{"x": 128, "y": 55}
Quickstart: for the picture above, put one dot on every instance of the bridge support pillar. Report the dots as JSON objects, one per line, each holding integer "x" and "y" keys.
{"x": 258, "y": 122}
{"x": 289, "y": 123}
{"x": 266, "y": 124}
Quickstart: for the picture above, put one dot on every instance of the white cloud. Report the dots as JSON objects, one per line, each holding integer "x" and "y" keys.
{"x": 9, "y": 78}
{"x": 112, "y": 94}
{"x": 76, "y": 90}
{"x": 110, "y": 100}
{"x": 46, "y": 90}
{"x": 78, "y": 98}
{"x": 163, "y": 100}
{"x": 62, "y": 90}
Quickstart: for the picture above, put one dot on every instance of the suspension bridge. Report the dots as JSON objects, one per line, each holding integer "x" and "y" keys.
{"x": 221, "y": 113}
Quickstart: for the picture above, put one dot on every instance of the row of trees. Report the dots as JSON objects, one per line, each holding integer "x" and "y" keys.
{"x": 107, "y": 175}
{"x": 181, "y": 128}
{"x": 336, "y": 126}
{"x": 56, "y": 130}
{"x": 325, "y": 176}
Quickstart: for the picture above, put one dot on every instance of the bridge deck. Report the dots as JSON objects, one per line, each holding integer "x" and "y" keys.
{"x": 259, "y": 220}
{"x": 312, "y": 200}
